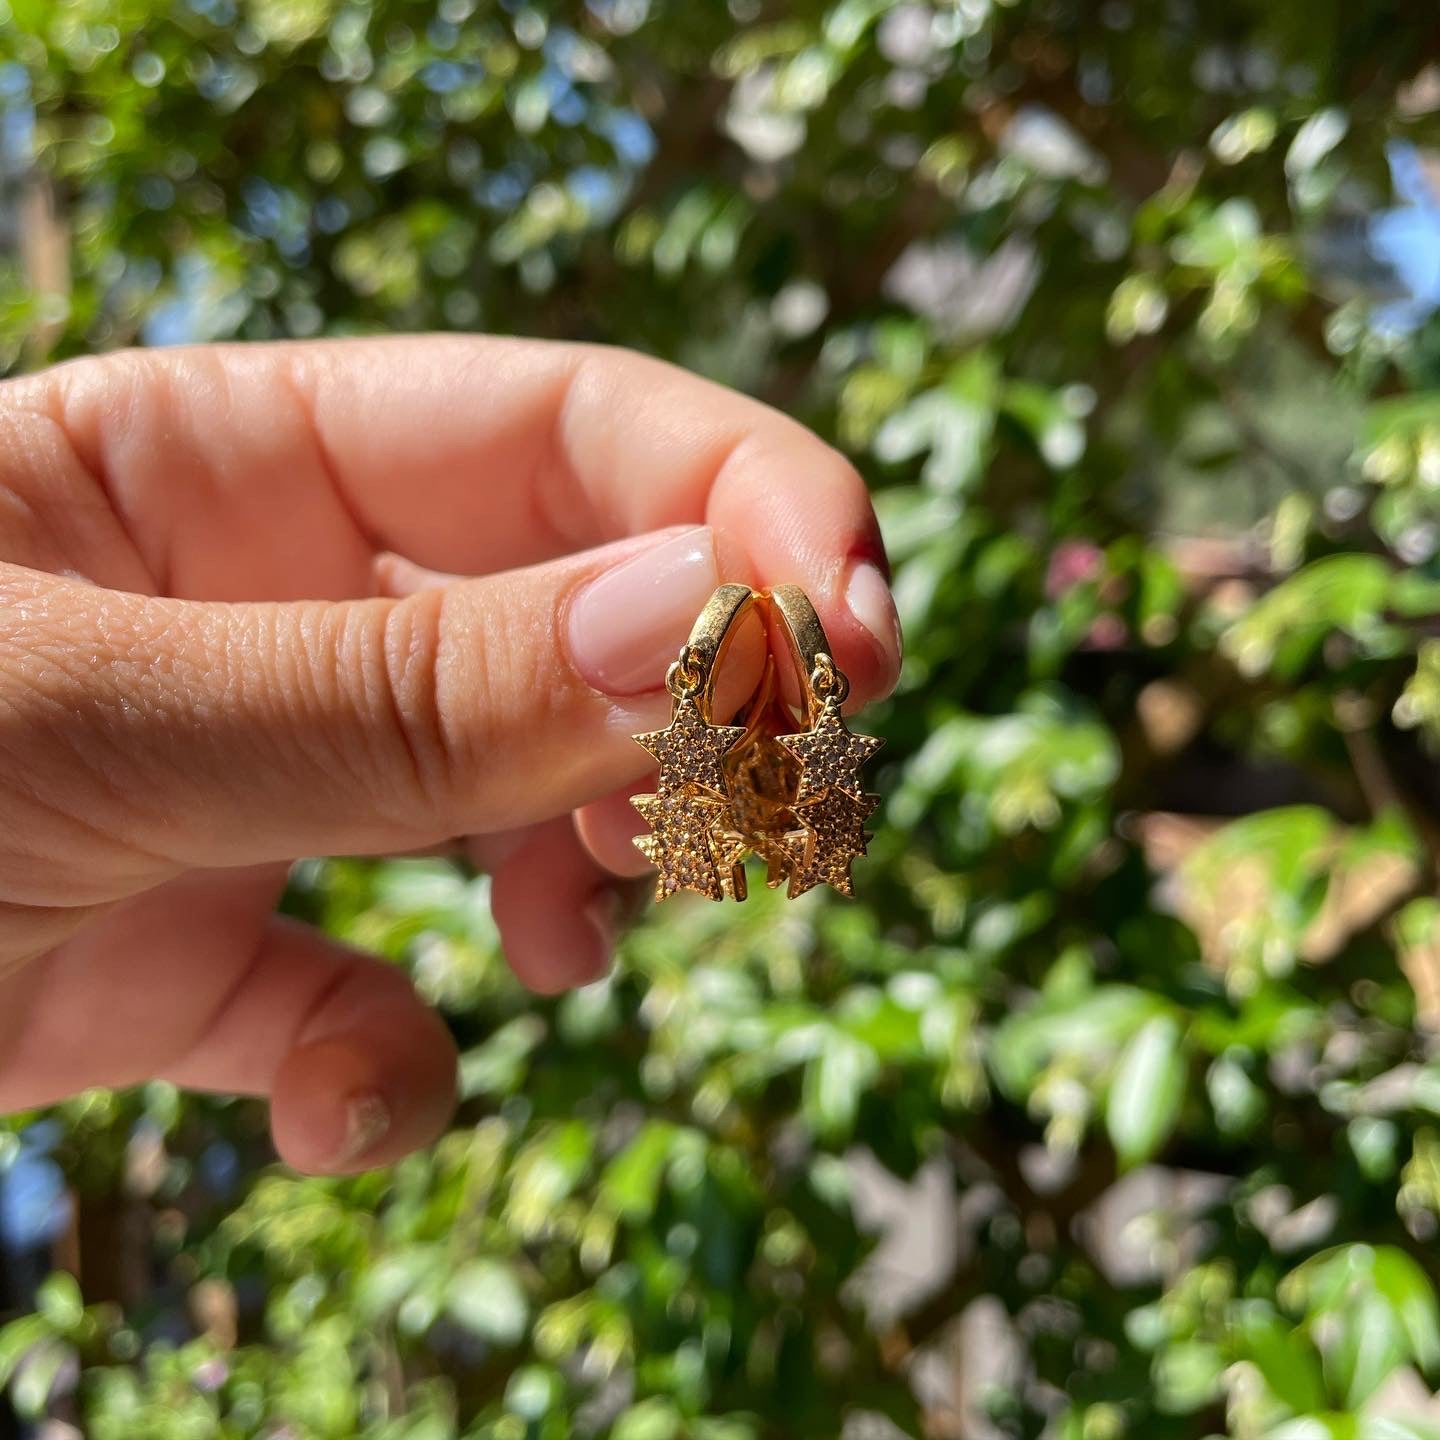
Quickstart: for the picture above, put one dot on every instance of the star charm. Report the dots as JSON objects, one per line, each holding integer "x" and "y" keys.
{"x": 679, "y": 842}
{"x": 689, "y": 750}
{"x": 781, "y": 860}
{"x": 833, "y": 832}
{"x": 830, "y": 755}
{"x": 729, "y": 849}
{"x": 789, "y": 855}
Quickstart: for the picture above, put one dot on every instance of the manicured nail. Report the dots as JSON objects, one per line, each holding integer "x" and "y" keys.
{"x": 628, "y": 624}
{"x": 870, "y": 602}
{"x": 367, "y": 1119}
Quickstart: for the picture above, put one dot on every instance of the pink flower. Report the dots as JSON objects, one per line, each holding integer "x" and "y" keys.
{"x": 1072, "y": 562}
{"x": 1109, "y": 632}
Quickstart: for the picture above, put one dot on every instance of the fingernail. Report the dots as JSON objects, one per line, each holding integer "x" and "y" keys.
{"x": 869, "y": 600}
{"x": 603, "y": 913}
{"x": 627, "y": 625}
{"x": 367, "y": 1119}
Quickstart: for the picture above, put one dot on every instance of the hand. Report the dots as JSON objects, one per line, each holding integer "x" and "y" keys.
{"x": 230, "y": 635}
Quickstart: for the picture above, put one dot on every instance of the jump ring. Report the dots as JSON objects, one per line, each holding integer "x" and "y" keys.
{"x": 685, "y": 678}
{"x": 826, "y": 681}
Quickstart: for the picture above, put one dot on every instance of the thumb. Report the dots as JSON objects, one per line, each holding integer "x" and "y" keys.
{"x": 139, "y": 734}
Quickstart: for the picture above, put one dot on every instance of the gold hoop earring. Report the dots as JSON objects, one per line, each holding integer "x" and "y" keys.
{"x": 690, "y": 807}
{"x": 830, "y": 801}
{"x": 792, "y": 797}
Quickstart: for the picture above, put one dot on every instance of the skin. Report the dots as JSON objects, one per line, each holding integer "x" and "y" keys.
{"x": 232, "y": 633}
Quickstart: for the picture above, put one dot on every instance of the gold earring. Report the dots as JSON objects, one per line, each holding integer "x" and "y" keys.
{"x": 830, "y": 802}
{"x": 794, "y": 798}
{"x": 691, "y": 843}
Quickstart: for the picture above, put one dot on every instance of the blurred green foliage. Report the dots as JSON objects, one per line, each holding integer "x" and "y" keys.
{"x": 1119, "y": 309}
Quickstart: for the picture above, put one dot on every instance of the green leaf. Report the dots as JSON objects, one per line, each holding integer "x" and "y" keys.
{"x": 1340, "y": 592}
{"x": 1146, "y": 1091}
{"x": 1373, "y": 1141}
{"x": 395, "y": 1276}
{"x": 631, "y": 1181}
{"x": 727, "y": 1428}
{"x": 17, "y": 1339}
{"x": 1388, "y": 1427}
{"x": 1408, "y": 1291}
{"x": 1418, "y": 922}
{"x": 1285, "y": 1357}
{"x": 533, "y": 1391}
{"x": 1094, "y": 1027}
{"x": 544, "y": 1173}
{"x": 1374, "y": 1309}
{"x": 1238, "y": 1102}
{"x": 834, "y": 1082}
{"x": 486, "y": 1298}
{"x": 1317, "y": 1427}
{"x": 498, "y": 1066}
{"x": 1400, "y": 417}
{"x": 35, "y": 1378}
{"x": 58, "y": 1299}
{"x": 1370, "y": 1343}
{"x": 1187, "y": 1376}
{"x": 655, "y": 1419}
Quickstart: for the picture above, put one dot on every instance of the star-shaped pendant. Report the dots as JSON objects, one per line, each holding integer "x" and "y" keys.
{"x": 833, "y": 830}
{"x": 689, "y": 750}
{"x": 775, "y": 851}
{"x": 729, "y": 849}
{"x": 679, "y": 842}
{"x": 830, "y": 755}
{"x": 789, "y": 855}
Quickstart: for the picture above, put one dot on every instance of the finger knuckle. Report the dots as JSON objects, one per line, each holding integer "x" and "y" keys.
{"x": 414, "y": 660}
{"x": 473, "y": 686}
{"x": 75, "y": 687}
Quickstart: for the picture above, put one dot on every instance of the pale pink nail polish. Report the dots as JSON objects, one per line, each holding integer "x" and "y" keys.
{"x": 869, "y": 600}
{"x": 627, "y": 624}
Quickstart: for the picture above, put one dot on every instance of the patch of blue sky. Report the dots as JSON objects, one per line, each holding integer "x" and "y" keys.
{"x": 444, "y": 77}
{"x": 17, "y": 120}
{"x": 630, "y": 137}
{"x": 34, "y": 1202}
{"x": 1406, "y": 240}
{"x": 600, "y": 191}
{"x": 201, "y": 307}
{"x": 218, "y": 12}
{"x": 566, "y": 105}
{"x": 278, "y": 214}
{"x": 502, "y": 190}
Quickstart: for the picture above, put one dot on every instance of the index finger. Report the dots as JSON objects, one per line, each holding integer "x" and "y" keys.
{"x": 281, "y": 470}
